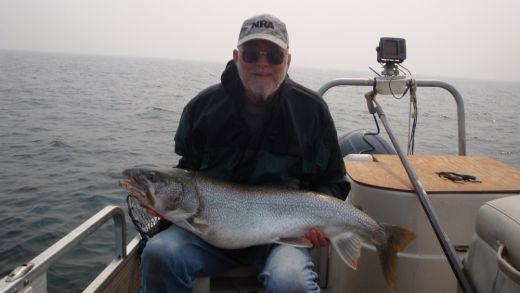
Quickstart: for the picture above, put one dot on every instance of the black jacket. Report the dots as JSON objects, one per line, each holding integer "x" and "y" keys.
{"x": 297, "y": 146}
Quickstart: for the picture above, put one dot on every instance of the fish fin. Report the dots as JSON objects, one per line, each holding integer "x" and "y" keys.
{"x": 397, "y": 240}
{"x": 198, "y": 225}
{"x": 359, "y": 207}
{"x": 199, "y": 220}
{"x": 296, "y": 242}
{"x": 348, "y": 245}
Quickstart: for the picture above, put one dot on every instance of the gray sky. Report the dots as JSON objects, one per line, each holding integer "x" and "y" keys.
{"x": 461, "y": 38}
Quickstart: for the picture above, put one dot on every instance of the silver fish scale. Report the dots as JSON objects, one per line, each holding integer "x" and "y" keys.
{"x": 240, "y": 216}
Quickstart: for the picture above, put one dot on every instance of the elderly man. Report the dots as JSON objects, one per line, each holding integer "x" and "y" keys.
{"x": 257, "y": 126}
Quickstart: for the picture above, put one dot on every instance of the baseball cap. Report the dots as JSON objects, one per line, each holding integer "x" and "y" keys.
{"x": 264, "y": 27}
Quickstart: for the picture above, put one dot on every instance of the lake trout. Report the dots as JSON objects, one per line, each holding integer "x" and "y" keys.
{"x": 232, "y": 216}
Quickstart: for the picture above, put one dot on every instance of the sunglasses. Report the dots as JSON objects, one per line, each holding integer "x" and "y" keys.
{"x": 252, "y": 55}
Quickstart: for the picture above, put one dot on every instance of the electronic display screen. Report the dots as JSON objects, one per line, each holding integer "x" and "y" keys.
{"x": 390, "y": 48}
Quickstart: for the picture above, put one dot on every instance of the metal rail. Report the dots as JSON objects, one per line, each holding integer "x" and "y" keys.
{"x": 448, "y": 249}
{"x": 420, "y": 83}
{"x": 38, "y": 266}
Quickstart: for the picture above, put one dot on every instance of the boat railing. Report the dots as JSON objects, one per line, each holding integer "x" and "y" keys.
{"x": 33, "y": 274}
{"x": 419, "y": 83}
{"x": 375, "y": 107}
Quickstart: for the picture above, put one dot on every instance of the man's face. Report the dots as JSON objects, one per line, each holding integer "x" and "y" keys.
{"x": 261, "y": 78}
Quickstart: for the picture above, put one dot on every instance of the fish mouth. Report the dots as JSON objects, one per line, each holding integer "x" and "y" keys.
{"x": 141, "y": 191}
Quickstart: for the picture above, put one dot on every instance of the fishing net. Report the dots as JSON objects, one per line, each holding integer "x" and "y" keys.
{"x": 146, "y": 225}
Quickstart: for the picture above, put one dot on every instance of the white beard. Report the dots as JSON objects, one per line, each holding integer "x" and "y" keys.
{"x": 261, "y": 91}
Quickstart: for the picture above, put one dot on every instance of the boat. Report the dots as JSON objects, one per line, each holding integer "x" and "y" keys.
{"x": 465, "y": 211}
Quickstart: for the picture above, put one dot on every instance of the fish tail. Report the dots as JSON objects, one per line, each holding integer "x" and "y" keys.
{"x": 397, "y": 240}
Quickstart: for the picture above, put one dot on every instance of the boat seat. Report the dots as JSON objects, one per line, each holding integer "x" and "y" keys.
{"x": 240, "y": 279}
{"x": 493, "y": 260}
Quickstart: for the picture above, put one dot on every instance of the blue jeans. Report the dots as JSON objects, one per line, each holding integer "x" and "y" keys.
{"x": 174, "y": 257}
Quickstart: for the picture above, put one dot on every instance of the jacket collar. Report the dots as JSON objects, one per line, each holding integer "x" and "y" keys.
{"x": 231, "y": 81}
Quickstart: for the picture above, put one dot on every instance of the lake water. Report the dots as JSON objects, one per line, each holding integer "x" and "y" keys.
{"x": 69, "y": 124}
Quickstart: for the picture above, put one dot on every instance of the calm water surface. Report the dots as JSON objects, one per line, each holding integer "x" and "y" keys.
{"x": 69, "y": 124}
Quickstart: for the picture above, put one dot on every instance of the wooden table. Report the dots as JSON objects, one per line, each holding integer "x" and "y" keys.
{"x": 387, "y": 172}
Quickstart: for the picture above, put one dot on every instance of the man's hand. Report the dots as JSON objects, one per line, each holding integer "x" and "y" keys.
{"x": 316, "y": 237}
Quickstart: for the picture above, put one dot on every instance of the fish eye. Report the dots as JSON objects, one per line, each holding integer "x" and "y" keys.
{"x": 151, "y": 176}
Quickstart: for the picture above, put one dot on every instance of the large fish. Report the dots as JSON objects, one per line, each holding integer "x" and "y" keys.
{"x": 234, "y": 216}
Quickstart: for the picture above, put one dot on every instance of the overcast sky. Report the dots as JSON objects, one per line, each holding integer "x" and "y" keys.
{"x": 460, "y": 38}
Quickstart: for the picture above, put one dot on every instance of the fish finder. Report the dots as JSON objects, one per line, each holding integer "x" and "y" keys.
{"x": 391, "y": 50}
{"x": 390, "y": 53}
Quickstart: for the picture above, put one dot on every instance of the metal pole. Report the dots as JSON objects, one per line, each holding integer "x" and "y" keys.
{"x": 455, "y": 263}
